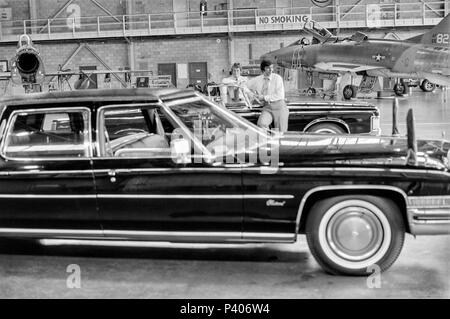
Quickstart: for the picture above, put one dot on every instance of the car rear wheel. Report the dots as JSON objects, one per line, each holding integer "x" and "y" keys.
{"x": 349, "y": 234}
{"x": 427, "y": 86}
{"x": 326, "y": 128}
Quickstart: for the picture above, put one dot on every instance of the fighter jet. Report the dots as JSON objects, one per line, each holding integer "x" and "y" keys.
{"x": 27, "y": 67}
{"x": 425, "y": 57}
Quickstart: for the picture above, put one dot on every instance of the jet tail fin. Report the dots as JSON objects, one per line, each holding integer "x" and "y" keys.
{"x": 439, "y": 35}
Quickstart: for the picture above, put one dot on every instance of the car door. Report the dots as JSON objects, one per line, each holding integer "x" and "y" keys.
{"x": 144, "y": 193}
{"x": 46, "y": 180}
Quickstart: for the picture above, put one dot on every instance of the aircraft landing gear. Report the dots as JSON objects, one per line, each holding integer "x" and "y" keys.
{"x": 349, "y": 92}
{"x": 399, "y": 89}
{"x": 427, "y": 86}
{"x": 310, "y": 91}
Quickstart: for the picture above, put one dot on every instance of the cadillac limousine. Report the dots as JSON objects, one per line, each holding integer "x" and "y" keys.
{"x": 170, "y": 165}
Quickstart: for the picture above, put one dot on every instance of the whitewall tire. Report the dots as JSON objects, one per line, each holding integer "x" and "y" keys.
{"x": 349, "y": 234}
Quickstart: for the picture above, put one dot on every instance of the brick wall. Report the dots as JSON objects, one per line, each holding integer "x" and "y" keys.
{"x": 152, "y": 52}
{"x": 154, "y": 6}
{"x": 260, "y": 44}
{"x": 253, "y": 4}
{"x": 19, "y": 12}
{"x": 20, "y": 8}
{"x": 114, "y": 54}
{"x": 48, "y": 8}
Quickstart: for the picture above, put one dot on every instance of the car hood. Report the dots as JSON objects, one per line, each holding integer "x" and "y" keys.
{"x": 359, "y": 150}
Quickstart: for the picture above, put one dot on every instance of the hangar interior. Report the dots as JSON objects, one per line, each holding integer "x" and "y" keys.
{"x": 192, "y": 41}
{"x": 339, "y": 150}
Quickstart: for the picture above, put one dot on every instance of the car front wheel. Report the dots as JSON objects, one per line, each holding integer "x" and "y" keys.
{"x": 348, "y": 235}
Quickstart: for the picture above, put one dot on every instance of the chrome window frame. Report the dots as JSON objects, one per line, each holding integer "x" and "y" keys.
{"x": 6, "y": 137}
{"x": 164, "y": 109}
{"x": 234, "y": 116}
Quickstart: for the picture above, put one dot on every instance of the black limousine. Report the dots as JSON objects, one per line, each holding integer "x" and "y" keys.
{"x": 313, "y": 116}
{"x": 170, "y": 165}
{"x": 329, "y": 117}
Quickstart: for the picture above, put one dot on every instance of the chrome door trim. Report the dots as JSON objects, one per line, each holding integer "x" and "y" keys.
{"x": 196, "y": 236}
{"x": 150, "y": 196}
{"x": 45, "y": 196}
{"x": 35, "y": 232}
{"x": 195, "y": 196}
{"x": 225, "y": 169}
{"x": 165, "y": 236}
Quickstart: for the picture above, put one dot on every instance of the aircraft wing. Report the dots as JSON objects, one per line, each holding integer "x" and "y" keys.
{"x": 343, "y": 67}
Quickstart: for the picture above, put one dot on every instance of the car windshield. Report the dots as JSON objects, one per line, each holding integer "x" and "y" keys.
{"x": 214, "y": 126}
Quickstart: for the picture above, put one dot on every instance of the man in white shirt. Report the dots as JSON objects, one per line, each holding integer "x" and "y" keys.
{"x": 269, "y": 90}
{"x": 230, "y": 92}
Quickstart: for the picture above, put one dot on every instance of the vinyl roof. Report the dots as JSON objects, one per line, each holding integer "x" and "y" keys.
{"x": 139, "y": 94}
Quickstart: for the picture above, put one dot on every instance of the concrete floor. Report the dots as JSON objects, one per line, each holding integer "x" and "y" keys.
{"x": 30, "y": 270}
{"x": 431, "y": 113}
{"x": 212, "y": 271}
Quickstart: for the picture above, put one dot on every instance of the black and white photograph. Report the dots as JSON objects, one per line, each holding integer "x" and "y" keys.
{"x": 224, "y": 154}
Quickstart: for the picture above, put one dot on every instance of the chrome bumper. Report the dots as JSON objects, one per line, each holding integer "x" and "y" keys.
{"x": 429, "y": 215}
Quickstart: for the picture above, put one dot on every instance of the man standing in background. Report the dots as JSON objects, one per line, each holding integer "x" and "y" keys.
{"x": 269, "y": 90}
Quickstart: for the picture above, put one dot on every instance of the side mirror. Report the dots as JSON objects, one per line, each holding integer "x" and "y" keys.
{"x": 180, "y": 151}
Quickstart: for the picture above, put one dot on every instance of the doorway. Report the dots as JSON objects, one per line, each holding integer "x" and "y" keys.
{"x": 93, "y": 83}
{"x": 168, "y": 69}
{"x": 198, "y": 73}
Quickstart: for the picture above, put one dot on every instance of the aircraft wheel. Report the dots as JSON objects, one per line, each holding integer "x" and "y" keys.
{"x": 349, "y": 92}
{"x": 427, "y": 86}
{"x": 311, "y": 91}
{"x": 399, "y": 89}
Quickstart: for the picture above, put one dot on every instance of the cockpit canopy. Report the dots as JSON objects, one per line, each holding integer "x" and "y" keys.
{"x": 319, "y": 33}
{"x": 359, "y": 37}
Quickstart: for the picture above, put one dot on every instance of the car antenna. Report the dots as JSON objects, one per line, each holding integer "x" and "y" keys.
{"x": 411, "y": 157}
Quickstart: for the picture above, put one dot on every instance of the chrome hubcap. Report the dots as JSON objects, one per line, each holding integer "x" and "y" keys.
{"x": 354, "y": 233}
{"x": 325, "y": 131}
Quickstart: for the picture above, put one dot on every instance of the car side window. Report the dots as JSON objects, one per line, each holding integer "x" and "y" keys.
{"x": 134, "y": 132}
{"x": 51, "y": 133}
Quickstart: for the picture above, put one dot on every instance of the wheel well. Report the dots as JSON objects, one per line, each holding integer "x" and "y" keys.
{"x": 327, "y": 121}
{"x": 396, "y": 197}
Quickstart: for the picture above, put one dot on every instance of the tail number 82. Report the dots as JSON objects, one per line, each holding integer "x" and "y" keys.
{"x": 442, "y": 38}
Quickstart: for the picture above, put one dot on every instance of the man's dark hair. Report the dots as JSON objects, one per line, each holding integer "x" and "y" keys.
{"x": 236, "y": 66}
{"x": 264, "y": 64}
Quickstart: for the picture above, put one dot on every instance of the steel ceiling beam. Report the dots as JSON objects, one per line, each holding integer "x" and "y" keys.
{"x": 53, "y": 17}
{"x": 105, "y": 65}
{"x": 354, "y": 5}
{"x": 70, "y": 58}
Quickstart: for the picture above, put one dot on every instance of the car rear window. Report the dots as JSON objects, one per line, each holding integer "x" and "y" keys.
{"x": 48, "y": 134}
